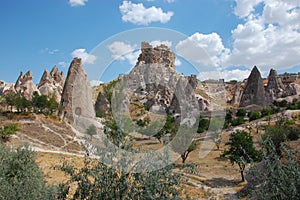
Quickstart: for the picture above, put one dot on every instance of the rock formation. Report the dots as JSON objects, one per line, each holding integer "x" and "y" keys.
{"x": 254, "y": 92}
{"x": 160, "y": 54}
{"x": 102, "y": 104}
{"x": 52, "y": 83}
{"x": 275, "y": 87}
{"x": 25, "y": 86}
{"x": 76, "y": 102}
{"x": 6, "y": 88}
{"x": 155, "y": 84}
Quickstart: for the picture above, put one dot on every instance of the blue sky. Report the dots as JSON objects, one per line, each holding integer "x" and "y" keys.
{"x": 236, "y": 34}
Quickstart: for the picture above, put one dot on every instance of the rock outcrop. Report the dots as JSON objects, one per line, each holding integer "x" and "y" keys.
{"x": 52, "y": 83}
{"x": 6, "y": 88}
{"x": 24, "y": 85}
{"x": 275, "y": 87}
{"x": 102, "y": 104}
{"x": 154, "y": 84}
{"x": 76, "y": 102}
{"x": 254, "y": 92}
{"x": 160, "y": 54}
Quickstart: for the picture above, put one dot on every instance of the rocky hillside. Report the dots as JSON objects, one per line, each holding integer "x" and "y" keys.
{"x": 154, "y": 84}
{"x": 256, "y": 91}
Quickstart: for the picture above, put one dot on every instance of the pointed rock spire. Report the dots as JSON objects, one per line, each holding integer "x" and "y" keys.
{"x": 254, "y": 92}
{"x": 76, "y": 101}
{"x": 275, "y": 87}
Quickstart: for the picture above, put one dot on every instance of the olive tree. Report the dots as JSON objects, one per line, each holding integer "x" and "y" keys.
{"x": 20, "y": 176}
{"x": 241, "y": 150}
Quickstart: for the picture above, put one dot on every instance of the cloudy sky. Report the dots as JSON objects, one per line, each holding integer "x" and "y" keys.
{"x": 235, "y": 34}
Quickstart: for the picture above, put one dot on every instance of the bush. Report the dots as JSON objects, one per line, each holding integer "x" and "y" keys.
{"x": 96, "y": 180}
{"x": 21, "y": 177}
{"x": 273, "y": 178}
{"x": 203, "y": 125}
{"x": 238, "y": 121}
{"x": 7, "y": 131}
{"x": 253, "y": 116}
{"x": 241, "y": 112}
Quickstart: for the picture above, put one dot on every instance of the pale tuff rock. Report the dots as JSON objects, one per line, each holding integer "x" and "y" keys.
{"x": 24, "y": 85}
{"x": 6, "y": 88}
{"x": 76, "y": 101}
{"x": 160, "y": 54}
{"x": 275, "y": 87}
{"x": 52, "y": 83}
{"x": 254, "y": 92}
{"x": 154, "y": 82}
{"x": 102, "y": 104}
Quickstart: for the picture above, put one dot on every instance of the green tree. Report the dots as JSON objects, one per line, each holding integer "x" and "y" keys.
{"x": 91, "y": 130}
{"x": 241, "y": 112}
{"x": 52, "y": 104}
{"x": 186, "y": 153}
{"x": 7, "y": 131}
{"x": 253, "y": 116}
{"x": 21, "y": 177}
{"x": 274, "y": 178}
{"x": 96, "y": 180}
{"x": 241, "y": 150}
{"x": 237, "y": 121}
{"x": 11, "y": 100}
{"x": 284, "y": 130}
{"x": 114, "y": 133}
{"x": 203, "y": 125}
{"x": 22, "y": 104}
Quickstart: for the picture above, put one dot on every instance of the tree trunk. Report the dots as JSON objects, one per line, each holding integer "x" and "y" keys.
{"x": 242, "y": 174}
{"x": 242, "y": 168}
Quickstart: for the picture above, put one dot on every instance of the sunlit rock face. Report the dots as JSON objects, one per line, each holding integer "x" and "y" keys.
{"x": 76, "y": 100}
{"x": 52, "y": 83}
{"x": 24, "y": 85}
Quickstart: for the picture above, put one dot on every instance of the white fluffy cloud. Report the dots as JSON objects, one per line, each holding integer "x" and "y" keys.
{"x": 243, "y": 8}
{"x": 206, "y": 49}
{"x": 62, "y": 64}
{"x": 95, "y": 83}
{"x": 267, "y": 39}
{"x": 74, "y": 3}
{"x": 138, "y": 14}
{"x": 86, "y": 58}
{"x": 235, "y": 74}
{"x": 156, "y": 43}
{"x": 122, "y": 51}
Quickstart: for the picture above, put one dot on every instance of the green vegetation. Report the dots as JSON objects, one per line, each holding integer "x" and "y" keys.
{"x": 96, "y": 180}
{"x": 91, "y": 130}
{"x": 108, "y": 89}
{"x": 203, "y": 125}
{"x": 253, "y": 115}
{"x": 7, "y": 131}
{"x": 114, "y": 133}
{"x": 241, "y": 150}
{"x": 237, "y": 121}
{"x": 284, "y": 130}
{"x": 274, "y": 178}
{"x": 39, "y": 103}
{"x": 241, "y": 112}
{"x": 21, "y": 177}
{"x": 170, "y": 127}
{"x": 186, "y": 153}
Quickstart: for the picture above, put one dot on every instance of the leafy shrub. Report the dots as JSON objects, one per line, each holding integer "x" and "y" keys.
{"x": 21, "y": 177}
{"x": 7, "y": 131}
{"x": 237, "y": 121}
{"x": 253, "y": 116}
{"x": 241, "y": 112}
{"x": 96, "y": 180}
{"x": 274, "y": 178}
{"x": 203, "y": 125}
